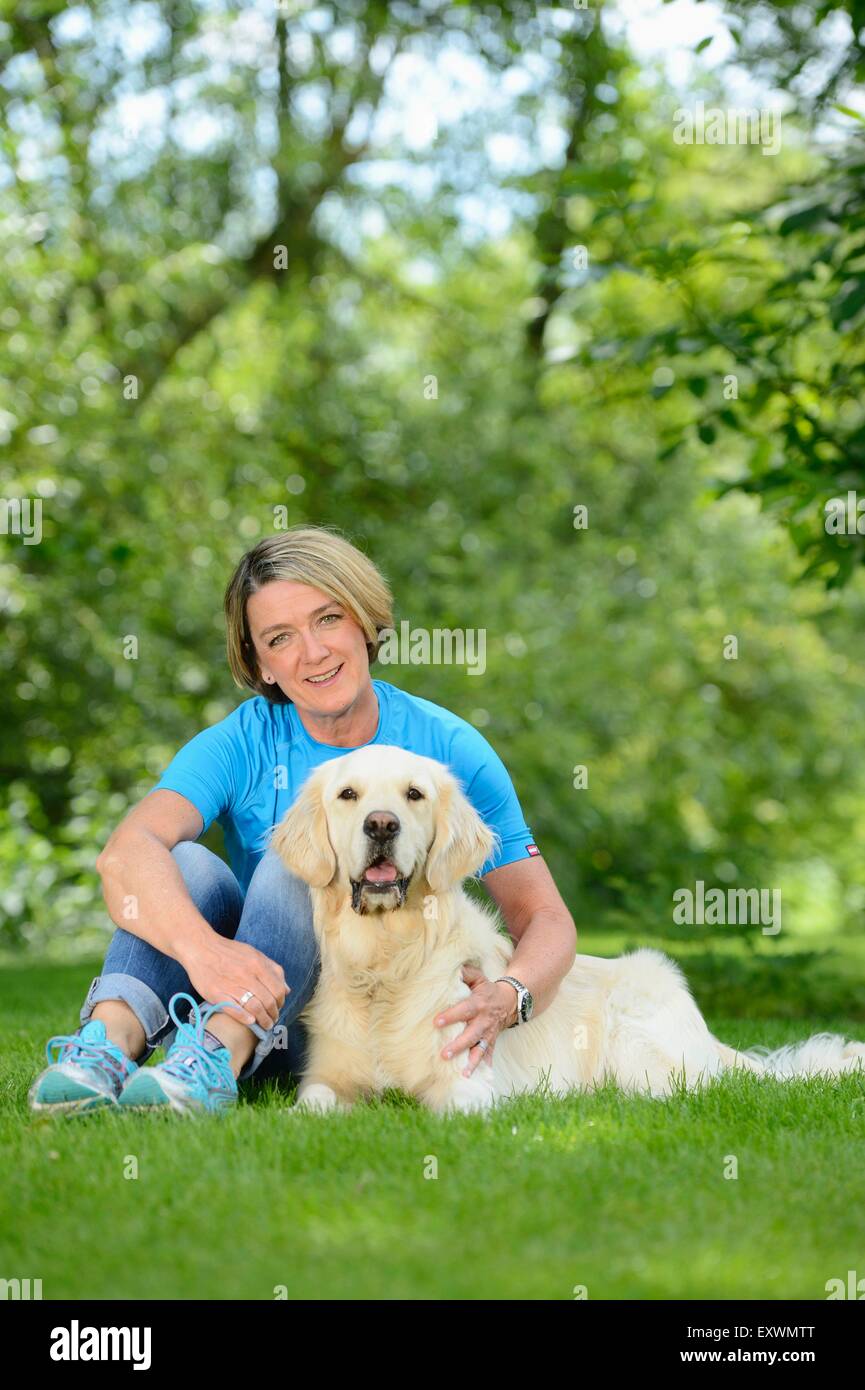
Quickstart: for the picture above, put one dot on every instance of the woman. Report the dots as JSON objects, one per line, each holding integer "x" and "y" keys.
{"x": 306, "y": 613}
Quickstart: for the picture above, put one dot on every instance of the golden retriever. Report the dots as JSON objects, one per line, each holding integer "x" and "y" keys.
{"x": 384, "y": 839}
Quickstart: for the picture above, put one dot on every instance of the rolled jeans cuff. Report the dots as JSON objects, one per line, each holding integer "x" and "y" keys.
{"x": 147, "y": 1006}
{"x": 159, "y": 1029}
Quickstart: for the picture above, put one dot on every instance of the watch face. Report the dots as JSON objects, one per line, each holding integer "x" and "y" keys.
{"x": 528, "y": 1006}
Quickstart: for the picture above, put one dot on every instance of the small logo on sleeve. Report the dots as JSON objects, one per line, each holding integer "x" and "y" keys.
{"x": 533, "y": 849}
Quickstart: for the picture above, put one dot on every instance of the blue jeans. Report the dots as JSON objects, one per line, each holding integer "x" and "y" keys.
{"x": 275, "y": 918}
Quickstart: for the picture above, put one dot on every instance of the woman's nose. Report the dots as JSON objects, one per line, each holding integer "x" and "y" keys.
{"x": 313, "y": 647}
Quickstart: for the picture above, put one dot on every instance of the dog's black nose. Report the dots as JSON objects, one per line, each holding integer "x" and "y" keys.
{"x": 380, "y": 825}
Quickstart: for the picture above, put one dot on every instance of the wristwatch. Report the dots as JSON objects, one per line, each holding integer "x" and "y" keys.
{"x": 525, "y": 1002}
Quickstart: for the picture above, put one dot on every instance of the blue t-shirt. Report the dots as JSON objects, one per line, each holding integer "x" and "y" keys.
{"x": 246, "y": 771}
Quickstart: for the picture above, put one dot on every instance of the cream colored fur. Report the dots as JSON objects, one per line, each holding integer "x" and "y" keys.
{"x": 388, "y": 971}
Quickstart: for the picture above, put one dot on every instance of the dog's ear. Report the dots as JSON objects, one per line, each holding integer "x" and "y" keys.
{"x": 462, "y": 841}
{"x": 301, "y": 839}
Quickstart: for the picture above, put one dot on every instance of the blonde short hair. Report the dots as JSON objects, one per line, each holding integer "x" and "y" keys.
{"x": 314, "y": 555}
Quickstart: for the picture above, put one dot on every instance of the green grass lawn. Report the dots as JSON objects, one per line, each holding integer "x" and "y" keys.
{"x": 627, "y": 1197}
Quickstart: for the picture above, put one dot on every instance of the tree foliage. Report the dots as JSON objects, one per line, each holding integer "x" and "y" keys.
{"x": 231, "y": 278}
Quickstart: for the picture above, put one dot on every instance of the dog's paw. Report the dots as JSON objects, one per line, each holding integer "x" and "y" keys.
{"x": 318, "y": 1098}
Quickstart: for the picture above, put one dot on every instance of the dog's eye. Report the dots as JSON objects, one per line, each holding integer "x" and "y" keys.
{"x": 348, "y": 794}
{"x": 414, "y": 795}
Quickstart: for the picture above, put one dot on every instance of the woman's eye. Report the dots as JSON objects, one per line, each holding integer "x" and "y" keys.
{"x": 348, "y": 794}
{"x": 414, "y": 795}
{"x": 276, "y": 639}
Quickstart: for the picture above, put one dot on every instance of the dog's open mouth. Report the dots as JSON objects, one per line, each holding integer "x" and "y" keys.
{"x": 381, "y": 877}
{"x": 382, "y": 870}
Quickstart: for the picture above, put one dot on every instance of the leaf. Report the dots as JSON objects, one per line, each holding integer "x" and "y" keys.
{"x": 848, "y": 111}
{"x": 849, "y": 303}
{"x": 704, "y": 43}
{"x": 806, "y": 217}
{"x": 759, "y": 459}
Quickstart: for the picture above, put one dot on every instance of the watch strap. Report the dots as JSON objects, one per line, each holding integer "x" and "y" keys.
{"x": 521, "y": 990}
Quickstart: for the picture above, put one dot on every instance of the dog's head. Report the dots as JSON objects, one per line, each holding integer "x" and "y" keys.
{"x": 378, "y": 822}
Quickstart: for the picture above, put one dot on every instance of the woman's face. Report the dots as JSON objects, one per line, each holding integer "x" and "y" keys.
{"x": 299, "y": 633}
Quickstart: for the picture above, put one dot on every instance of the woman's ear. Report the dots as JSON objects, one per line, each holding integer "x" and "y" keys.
{"x": 462, "y": 841}
{"x": 301, "y": 839}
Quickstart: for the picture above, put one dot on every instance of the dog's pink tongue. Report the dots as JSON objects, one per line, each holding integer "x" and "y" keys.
{"x": 381, "y": 873}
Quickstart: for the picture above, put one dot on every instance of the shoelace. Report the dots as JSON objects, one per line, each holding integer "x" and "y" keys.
{"x": 69, "y": 1047}
{"x": 190, "y": 1040}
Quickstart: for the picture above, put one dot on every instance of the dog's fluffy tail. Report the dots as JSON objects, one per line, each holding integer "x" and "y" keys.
{"x": 825, "y": 1054}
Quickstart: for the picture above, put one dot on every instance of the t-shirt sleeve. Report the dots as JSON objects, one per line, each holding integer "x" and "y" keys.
{"x": 490, "y": 790}
{"x": 209, "y": 771}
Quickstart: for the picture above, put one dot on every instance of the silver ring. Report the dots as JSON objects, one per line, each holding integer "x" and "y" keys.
{"x": 248, "y": 995}
{"x": 483, "y": 1045}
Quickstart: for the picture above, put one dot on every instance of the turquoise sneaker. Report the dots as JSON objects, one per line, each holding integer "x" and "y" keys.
{"x": 191, "y": 1079}
{"x": 87, "y": 1072}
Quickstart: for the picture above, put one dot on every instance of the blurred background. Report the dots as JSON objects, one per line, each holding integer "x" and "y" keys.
{"x": 440, "y": 274}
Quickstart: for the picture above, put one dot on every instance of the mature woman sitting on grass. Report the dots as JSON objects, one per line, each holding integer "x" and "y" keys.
{"x": 305, "y": 613}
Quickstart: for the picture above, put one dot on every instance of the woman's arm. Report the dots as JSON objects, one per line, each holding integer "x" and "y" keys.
{"x": 146, "y": 895}
{"x": 143, "y": 888}
{"x": 538, "y": 921}
{"x": 546, "y": 947}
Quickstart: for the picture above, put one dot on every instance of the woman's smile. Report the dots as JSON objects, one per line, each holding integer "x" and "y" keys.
{"x": 327, "y": 677}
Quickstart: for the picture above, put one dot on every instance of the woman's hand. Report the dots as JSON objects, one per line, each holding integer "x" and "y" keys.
{"x": 224, "y": 969}
{"x": 491, "y": 1007}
